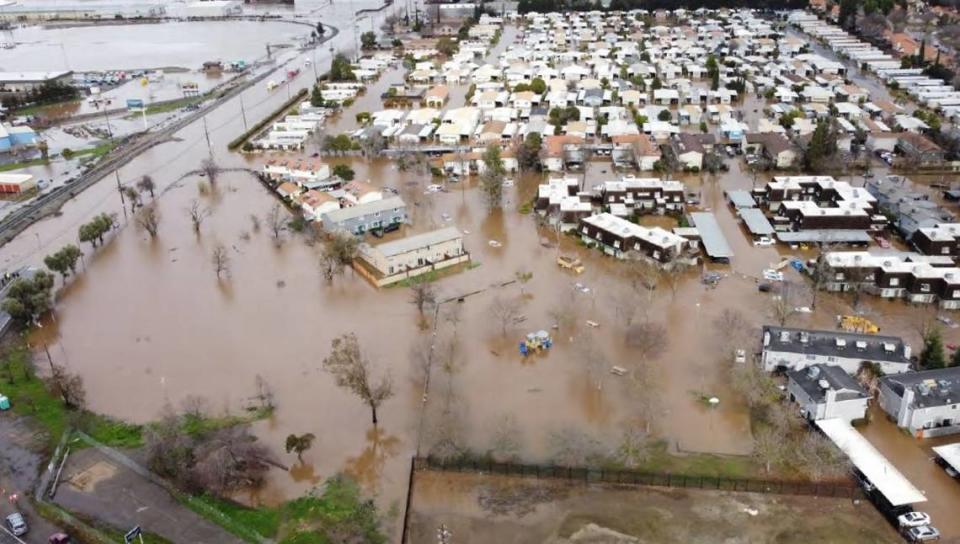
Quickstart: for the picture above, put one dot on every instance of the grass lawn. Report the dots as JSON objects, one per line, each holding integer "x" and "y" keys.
{"x": 23, "y": 164}
{"x": 95, "y": 152}
{"x": 40, "y": 108}
{"x": 29, "y": 396}
{"x": 701, "y": 464}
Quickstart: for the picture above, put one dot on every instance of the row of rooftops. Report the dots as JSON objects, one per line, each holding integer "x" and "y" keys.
{"x": 836, "y": 344}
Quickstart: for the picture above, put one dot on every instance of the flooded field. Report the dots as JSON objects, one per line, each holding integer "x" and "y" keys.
{"x": 142, "y": 46}
{"x": 487, "y": 508}
{"x": 148, "y": 323}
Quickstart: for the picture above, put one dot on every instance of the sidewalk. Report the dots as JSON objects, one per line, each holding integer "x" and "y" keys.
{"x": 94, "y": 485}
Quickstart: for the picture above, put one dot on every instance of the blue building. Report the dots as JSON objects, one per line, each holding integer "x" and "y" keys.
{"x": 15, "y": 137}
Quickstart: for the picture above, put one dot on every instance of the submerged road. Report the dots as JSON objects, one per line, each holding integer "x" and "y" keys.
{"x": 128, "y": 150}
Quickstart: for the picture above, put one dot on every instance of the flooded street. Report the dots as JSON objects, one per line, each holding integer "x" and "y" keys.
{"x": 148, "y": 323}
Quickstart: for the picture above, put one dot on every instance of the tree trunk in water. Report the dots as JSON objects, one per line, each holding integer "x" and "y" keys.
{"x": 373, "y": 408}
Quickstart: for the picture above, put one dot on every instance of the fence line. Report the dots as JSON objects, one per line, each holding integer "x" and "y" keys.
{"x": 837, "y": 488}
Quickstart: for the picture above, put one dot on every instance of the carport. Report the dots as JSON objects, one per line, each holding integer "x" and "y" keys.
{"x": 756, "y": 222}
{"x": 950, "y": 454}
{"x": 895, "y": 490}
{"x": 712, "y": 238}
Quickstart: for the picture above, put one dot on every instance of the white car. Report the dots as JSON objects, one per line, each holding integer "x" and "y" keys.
{"x": 772, "y": 275}
{"x": 740, "y": 356}
{"x": 925, "y": 533}
{"x": 913, "y": 519}
{"x": 508, "y": 182}
{"x": 763, "y": 241}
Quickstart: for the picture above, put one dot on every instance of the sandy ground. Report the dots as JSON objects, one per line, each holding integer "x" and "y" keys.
{"x": 483, "y": 508}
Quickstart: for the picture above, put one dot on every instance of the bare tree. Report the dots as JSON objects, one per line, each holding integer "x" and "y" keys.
{"x": 523, "y": 276}
{"x": 733, "y": 330}
{"x": 211, "y": 170}
{"x": 69, "y": 387}
{"x": 636, "y": 446}
{"x": 625, "y": 304}
{"x": 264, "y": 393}
{"x": 642, "y": 275}
{"x": 146, "y": 184}
{"x": 254, "y": 223}
{"x": 647, "y": 339}
{"x": 195, "y": 406}
{"x": 231, "y": 459}
{"x": 276, "y": 223}
{"x": 352, "y": 371}
{"x": 221, "y": 260}
{"x": 783, "y": 305}
{"x": 423, "y": 294}
{"x": 571, "y": 447}
{"x": 675, "y": 276}
{"x": 593, "y": 359}
{"x": 754, "y": 386}
{"x": 820, "y": 459}
{"x": 197, "y": 214}
{"x": 339, "y": 251}
{"x": 769, "y": 446}
{"x": 149, "y": 220}
{"x": 565, "y": 316}
{"x": 505, "y": 313}
{"x": 133, "y": 196}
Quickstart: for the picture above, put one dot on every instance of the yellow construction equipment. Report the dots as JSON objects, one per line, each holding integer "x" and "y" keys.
{"x": 570, "y": 263}
{"x": 856, "y": 323}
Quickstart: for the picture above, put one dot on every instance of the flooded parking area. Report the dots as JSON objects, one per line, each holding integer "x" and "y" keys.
{"x": 105, "y": 47}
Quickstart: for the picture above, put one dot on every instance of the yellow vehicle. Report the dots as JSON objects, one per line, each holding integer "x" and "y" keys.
{"x": 856, "y": 323}
{"x": 570, "y": 263}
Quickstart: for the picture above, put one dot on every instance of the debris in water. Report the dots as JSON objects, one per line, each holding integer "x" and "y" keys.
{"x": 618, "y": 371}
{"x": 281, "y": 284}
{"x": 593, "y": 324}
{"x": 751, "y": 511}
{"x": 494, "y": 243}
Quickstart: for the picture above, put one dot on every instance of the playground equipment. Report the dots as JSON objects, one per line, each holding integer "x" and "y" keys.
{"x": 535, "y": 343}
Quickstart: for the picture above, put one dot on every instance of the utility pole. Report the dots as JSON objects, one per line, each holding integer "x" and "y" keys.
{"x": 206, "y": 134}
{"x": 243, "y": 112}
{"x": 123, "y": 201}
{"x": 107, "y": 119}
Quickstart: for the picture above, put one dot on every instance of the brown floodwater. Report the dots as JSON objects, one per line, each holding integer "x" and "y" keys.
{"x": 148, "y": 323}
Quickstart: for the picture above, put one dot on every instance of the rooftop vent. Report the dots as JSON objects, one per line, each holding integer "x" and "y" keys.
{"x": 785, "y": 337}
{"x": 889, "y": 347}
{"x": 841, "y": 343}
{"x": 804, "y": 337}
{"x": 824, "y": 384}
{"x": 861, "y": 345}
{"x": 813, "y": 372}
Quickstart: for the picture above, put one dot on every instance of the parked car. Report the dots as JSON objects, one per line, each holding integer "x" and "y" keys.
{"x": 951, "y": 472}
{"x": 772, "y": 275}
{"x": 59, "y": 538}
{"x": 16, "y": 524}
{"x": 740, "y": 356}
{"x": 913, "y": 519}
{"x": 763, "y": 241}
{"x": 925, "y": 533}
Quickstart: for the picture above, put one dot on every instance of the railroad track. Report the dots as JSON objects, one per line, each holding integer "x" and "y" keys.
{"x": 47, "y": 204}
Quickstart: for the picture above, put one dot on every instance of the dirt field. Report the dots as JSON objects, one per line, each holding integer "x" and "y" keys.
{"x": 481, "y": 508}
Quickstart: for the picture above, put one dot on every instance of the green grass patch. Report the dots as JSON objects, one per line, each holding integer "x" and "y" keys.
{"x": 23, "y": 164}
{"x": 250, "y": 524}
{"x": 700, "y": 464}
{"x": 42, "y": 108}
{"x": 95, "y": 152}
{"x": 30, "y": 397}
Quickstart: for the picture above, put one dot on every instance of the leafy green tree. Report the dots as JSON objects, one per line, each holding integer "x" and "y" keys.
{"x": 491, "y": 181}
{"x": 848, "y": 13}
{"x": 64, "y": 261}
{"x": 316, "y": 97}
{"x": 344, "y": 172}
{"x": 29, "y": 298}
{"x": 823, "y": 145}
{"x": 528, "y": 153}
{"x": 368, "y": 40}
{"x": 340, "y": 69}
{"x": 447, "y": 46}
{"x": 664, "y": 115}
{"x": 932, "y": 355}
{"x": 538, "y": 85}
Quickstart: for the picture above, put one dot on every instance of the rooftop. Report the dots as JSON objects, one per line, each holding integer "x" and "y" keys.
{"x": 870, "y": 347}
{"x": 418, "y": 241}
{"x": 936, "y": 387}
{"x": 816, "y": 380}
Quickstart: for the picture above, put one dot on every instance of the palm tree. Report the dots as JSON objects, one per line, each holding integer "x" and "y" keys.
{"x": 299, "y": 444}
